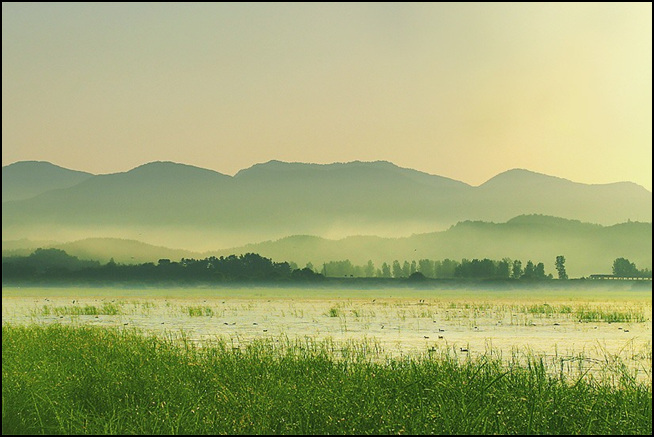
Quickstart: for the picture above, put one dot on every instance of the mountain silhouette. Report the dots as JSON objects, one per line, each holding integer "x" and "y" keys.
{"x": 588, "y": 248}
{"x": 26, "y": 179}
{"x": 179, "y": 205}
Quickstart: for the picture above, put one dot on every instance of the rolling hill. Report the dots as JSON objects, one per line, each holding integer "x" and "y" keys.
{"x": 588, "y": 248}
{"x": 176, "y": 205}
{"x": 26, "y": 179}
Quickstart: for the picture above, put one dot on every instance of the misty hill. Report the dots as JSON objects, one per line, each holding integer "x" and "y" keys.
{"x": 102, "y": 249}
{"x": 26, "y": 179}
{"x": 520, "y": 191}
{"x": 588, "y": 248}
{"x": 178, "y": 205}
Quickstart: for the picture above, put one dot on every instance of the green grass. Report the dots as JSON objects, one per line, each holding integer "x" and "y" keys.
{"x": 198, "y": 311}
{"x": 541, "y": 309}
{"x": 88, "y": 380}
{"x": 107, "y": 309}
{"x": 334, "y": 312}
{"x": 602, "y": 315}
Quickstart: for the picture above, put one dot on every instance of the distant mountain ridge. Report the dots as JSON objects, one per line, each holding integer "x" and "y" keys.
{"x": 588, "y": 248}
{"x": 102, "y": 249}
{"x": 25, "y": 179}
{"x": 179, "y": 205}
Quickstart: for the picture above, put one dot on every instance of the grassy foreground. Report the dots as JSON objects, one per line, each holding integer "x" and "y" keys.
{"x": 89, "y": 380}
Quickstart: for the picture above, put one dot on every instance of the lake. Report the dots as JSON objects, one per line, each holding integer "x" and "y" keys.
{"x": 580, "y": 329}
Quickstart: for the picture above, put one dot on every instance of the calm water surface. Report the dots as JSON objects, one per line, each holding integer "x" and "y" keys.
{"x": 395, "y": 321}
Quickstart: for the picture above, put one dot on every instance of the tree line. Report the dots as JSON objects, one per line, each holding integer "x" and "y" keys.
{"x": 505, "y": 268}
{"x": 440, "y": 269}
{"x": 624, "y": 268}
{"x": 45, "y": 265}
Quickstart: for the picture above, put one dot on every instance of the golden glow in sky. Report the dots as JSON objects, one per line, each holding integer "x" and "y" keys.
{"x": 460, "y": 90}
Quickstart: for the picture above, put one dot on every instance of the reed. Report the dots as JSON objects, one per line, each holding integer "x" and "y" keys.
{"x": 59, "y": 379}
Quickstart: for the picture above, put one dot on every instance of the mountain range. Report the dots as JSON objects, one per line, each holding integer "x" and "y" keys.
{"x": 176, "y": 205}
{"x": 588, "y": 248}
{"x": 26, "y": 179}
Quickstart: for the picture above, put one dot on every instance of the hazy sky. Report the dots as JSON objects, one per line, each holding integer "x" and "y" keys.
{"x": 460, "y": 90}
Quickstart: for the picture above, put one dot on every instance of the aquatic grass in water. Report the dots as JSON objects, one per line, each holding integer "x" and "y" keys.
{"x": 88, "y": 380}
{"x": 541, "y": 309}
{"x": 334, "y": 312}
{"x": 199, "y": 311}
{"x": 601, "y": 315}
{"x": 107, "y": 309}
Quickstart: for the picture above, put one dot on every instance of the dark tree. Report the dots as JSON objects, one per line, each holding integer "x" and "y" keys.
{"x": 502, "y": 269}
{"x": 340, "y": 269}
{"x": 539, "y": 271}
{"x": 517, "y": 269}
{"x": 406, "y": 269}
{"x": 385, "y": 271}
{"x": 476, "y": 268}
{"x": 417, "y": 277}
{"x": 560, "y": 267}
{"x": 306, "y": 274}
{"x": 623, "y": 267}
{"x": 369, "y": 269}
{"x": 397, "y": 270}
{"x": 426, "y": 267}
{"x": 529, "y": 270}
{"x": 445, "y": 268}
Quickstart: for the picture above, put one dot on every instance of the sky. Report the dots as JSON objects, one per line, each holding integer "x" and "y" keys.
{"x": 465, "y": 91}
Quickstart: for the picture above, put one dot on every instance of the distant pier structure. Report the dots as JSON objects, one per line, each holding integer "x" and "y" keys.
{"x": 620, "y": 278}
